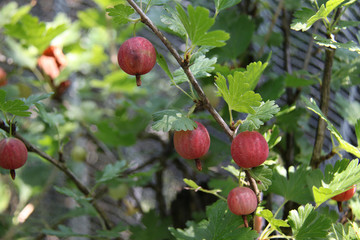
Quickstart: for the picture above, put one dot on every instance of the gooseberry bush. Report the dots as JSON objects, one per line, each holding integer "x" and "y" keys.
{"x": 102, "y": 112}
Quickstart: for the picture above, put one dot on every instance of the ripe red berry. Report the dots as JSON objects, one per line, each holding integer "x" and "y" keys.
{"x": 249, "y": 149}
{"x": 13, "y": 154}
{"x": 137, "y": 56}
{"x": 3, "y": 77}
{"x": 345, "y": 195}
{"x": 192, "y": 144}
{"x": 242, "y": 201}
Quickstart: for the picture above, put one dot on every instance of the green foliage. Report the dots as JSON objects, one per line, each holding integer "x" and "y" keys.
{"x": 120, "y": 13}
{"x": 153, "y": 227}
{"x": 337, "y": 179}
{"x": 276, "y": 224}
{"x": 262, "y": 174}
{"x": 167, "y": 120}
{"x": 224, "y": 4}
{"x": 306, "y": 223}
{"x": 262, "y": 113}
{"x": 33, "y": 32}
{"x": 200, "y": 69}
{"x": 349, "y": 231}
{"x": 197, "y": 24}
{"x": 297, "y": 185}
{"x": 221, "y": 224}
{"x": 306, "y": 17}
{"x": 344, "y": 145}
{"x": 15, "y": 107}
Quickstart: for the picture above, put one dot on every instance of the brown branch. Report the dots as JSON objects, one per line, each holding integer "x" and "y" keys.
{"x": 185, "y": 67}
{"x": 61, "y": 166}
{"x": 324, "y": 107}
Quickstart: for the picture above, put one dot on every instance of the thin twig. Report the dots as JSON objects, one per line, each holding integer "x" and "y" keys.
{"x": 185, "y": 67}
{"x": 61, "y": 166}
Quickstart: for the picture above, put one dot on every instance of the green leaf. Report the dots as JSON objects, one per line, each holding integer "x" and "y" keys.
{"x": 224, "y": 4}
{"x": 220, "y": 224}
{"x": 161, "y": 61}
{"x": 307, "y": 224}
{"x": 262, "y": 174}
{"x": 71, "y": 193}
{"x": 344, "y": 145}
{"x": 34, "y": 32}
{"x": 301, "y": 18}
{"x": 294, "y": 81}
{"x": 120, "y": 13}
{"x": 36, "y": 98}
{"x": 193, "y": 186}
{"x": 332, "y": 43}
{"x": 173, "y": 22}
{"x": 275, "y": 223}
{"x": 15, "y": 107}
{"x": 349, "y": 231}
{"x": 197, "y": 23}
{"x": 306, "y": 17}
{"x": 297, "y": 186}
{"x": 337, "y": 180}
{"x": 263, "y": 113}
{"x": 153, "y": 227}
{"x": 357, "y": 131}
{"x": 200, "y": 68}
{"x": 167, "y": 120}
{"x": 112, "y": 171}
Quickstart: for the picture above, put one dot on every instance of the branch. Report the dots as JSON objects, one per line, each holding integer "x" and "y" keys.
{"x": 184, "y": 65}
{"x": 324, "y": 106}
{"x": 61, "y": 166}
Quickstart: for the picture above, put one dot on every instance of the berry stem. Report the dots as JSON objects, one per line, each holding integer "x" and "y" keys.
{"x": 138, "y": 80}
{"x": 339, "y": 204}
{"x": 12, "y": 174}
{"x": 198, "y": 164}
{"x": 246, "y": 223}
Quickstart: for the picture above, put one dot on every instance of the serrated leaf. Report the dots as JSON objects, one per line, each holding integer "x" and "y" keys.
{"x": 15, "y": 107}
{"x": 120, "y": 13}
{"x": 167, "y": 120}
{"x": 300, "y": 19}
{"x": 344, "y": 145}
{"x": 349, "y": 231}
{"x": 275, "y": 223}
{"x": 297, "y": 186}
{"x": 200, "y": 68}
{"x": 197, "y": 23}
{"x": 112, "y": 171}
{"x": 220, "y": 224}
{"x": 331, "y": 43}
{"x": 308, "y": 224}
{"x": 306, "y": 17}
{"x": 173, "y": 21}
{"x": 262, "y": 174}
{"x": 261, "y": 114}
{"x": 340, "y": 181}
{"x": 224, "y": 4}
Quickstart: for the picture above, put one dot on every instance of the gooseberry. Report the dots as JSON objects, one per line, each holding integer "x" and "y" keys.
{"x": 192, "y": 144}
{"x": 137, "y": 56}
{"x": 13, "y": 154}
{"x": 249, "y": 149}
